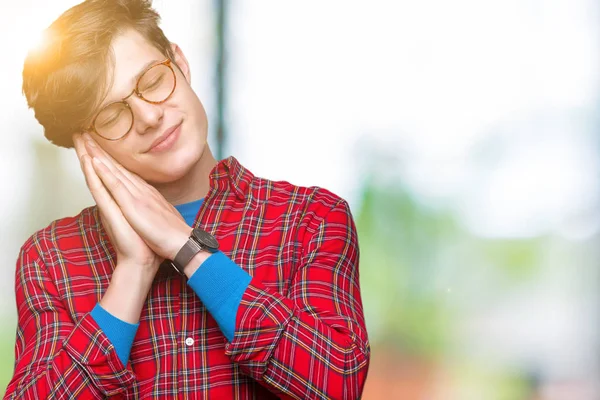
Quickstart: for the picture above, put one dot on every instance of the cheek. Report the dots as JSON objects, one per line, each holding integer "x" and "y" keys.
{"x": 189, "y": 102}
{"x": 129, "y": 162}
{"x": 171, "y": 169}
{"x": 115, "y": 152}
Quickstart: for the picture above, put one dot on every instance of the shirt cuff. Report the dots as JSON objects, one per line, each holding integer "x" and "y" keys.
{"x": 120, "y": 333}
{"x": 220, "y": 283}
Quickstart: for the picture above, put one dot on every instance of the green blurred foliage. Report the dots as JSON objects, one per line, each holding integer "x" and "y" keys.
{"x": 518, "y": 259}
{"x": 399, "y": 242}
{"x": 473, "y": 380}
{"x": 423, "y": 274}
{"x": 413, "y": 254}
{"x": 7, "y": 342}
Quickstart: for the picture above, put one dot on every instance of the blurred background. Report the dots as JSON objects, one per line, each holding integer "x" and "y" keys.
{"x": 464, "y": 134}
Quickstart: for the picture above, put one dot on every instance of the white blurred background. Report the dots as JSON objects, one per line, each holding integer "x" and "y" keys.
{"x": 465, "y": 136}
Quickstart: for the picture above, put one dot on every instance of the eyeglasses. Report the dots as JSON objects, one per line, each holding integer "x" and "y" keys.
{"x": 155, "y": 85}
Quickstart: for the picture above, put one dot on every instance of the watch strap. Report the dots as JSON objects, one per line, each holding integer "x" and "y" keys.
{"x": 186, "y": 253}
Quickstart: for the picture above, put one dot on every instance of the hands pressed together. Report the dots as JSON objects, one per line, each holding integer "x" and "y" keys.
{"x": 144, "y": 228}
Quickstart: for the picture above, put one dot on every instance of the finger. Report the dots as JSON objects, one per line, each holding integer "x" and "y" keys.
{"x": 133, "y": 180}
{"x": 116, "y": 187}
{"x": 80, "y": 149}
{"x": 85, "y": 170}
{"x": 116, "y": 172}
{"x": 107, "y": 206}
{"x": 96, "y": 151}
{"x": 81, "y": 155}
{"x": 140, "y": 191}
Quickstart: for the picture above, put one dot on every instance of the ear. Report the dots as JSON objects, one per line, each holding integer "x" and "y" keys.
{"x": 182, "y": 62}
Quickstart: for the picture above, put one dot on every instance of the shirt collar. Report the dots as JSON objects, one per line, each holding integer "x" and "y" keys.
{"x": 230, "y": 175}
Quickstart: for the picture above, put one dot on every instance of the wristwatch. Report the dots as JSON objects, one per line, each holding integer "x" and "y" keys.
{"x": 199, "y": 240}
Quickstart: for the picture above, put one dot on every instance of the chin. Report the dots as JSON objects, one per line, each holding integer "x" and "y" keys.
{"x": 175, "y": 166}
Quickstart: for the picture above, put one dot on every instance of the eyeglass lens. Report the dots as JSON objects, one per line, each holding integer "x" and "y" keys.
{"x": 154, "y": 86}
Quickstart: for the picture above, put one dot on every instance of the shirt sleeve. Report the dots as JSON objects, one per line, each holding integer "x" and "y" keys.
{"x": 120, "y": 333}
{"x": 55, "y": 356}
{"x": 313, "y": 342}
{"x": 220, "y": 284}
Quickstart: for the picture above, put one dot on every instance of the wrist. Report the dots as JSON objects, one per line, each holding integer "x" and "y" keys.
{"x": 180, "y": 238}
{"x": 133, "y": 273}
{"x": 127, "y": 292}
{"x": 195, "y": 263}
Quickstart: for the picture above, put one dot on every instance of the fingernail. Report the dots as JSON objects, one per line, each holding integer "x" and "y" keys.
{"x": 90, "y": 142}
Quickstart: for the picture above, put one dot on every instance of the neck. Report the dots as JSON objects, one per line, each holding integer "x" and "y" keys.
{"x": 192, "y": 186}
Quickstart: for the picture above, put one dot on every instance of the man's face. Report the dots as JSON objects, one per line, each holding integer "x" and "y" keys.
{"x": 183, "y": 111}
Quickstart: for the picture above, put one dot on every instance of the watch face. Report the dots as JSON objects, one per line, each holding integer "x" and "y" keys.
{"x": 205, "y": 239}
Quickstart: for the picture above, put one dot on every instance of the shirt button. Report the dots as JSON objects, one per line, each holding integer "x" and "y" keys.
{"x": 189, "y": 341}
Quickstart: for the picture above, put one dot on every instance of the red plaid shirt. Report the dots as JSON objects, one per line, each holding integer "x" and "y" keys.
{"x": 300, "y": 330}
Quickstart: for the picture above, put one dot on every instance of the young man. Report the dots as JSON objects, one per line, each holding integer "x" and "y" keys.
{"x": 190, "y": 278}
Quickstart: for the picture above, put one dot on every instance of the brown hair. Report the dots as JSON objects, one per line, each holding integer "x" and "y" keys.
{"x": 64, "y": 80}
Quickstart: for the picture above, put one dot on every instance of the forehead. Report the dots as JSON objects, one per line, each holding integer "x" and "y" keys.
{"x": 131, "y": 52}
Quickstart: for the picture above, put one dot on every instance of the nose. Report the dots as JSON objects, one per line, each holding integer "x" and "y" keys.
{"x": 146, "y": 115}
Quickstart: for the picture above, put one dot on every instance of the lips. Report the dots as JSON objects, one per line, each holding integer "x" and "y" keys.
{"x": 164, "y": 136}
